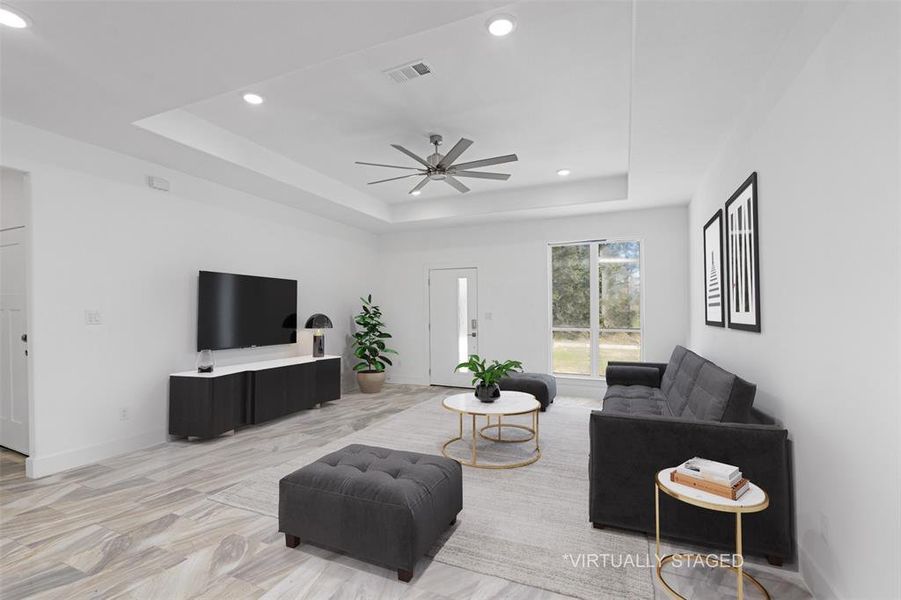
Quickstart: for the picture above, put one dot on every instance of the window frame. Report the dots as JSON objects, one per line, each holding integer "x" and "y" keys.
{"x": 593, "y": 329}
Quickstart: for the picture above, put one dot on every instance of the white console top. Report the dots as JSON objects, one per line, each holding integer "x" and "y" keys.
{"x": 254, "y": 366}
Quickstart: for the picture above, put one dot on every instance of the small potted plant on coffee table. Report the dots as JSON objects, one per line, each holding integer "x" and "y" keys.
{"x": 486, "y": 376}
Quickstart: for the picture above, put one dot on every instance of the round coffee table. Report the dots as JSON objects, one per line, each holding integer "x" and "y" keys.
{"x": 509, "y": 404}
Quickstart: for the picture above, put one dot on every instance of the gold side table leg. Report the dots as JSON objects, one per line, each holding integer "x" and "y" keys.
{"x": 738, "y": 554}
{"x": 461, "y": 425}
{"x": 473, "y": 440}
{"x": 536, "y": 430}
{"x": 657, "y": 522}
{"x": 499, "y": 428}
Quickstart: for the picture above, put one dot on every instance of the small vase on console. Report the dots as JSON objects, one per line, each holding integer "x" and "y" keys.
{"x": 205, "y": 361}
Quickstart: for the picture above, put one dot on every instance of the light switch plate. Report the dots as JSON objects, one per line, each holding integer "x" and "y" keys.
{"x": 92, "y": 317}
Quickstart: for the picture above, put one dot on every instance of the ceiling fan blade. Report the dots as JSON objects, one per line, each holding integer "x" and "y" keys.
{"x": 454, "y": 153}
{"x": 394, "y": 178}
{"x": 456, "y": 184}
{"x": 359, "y": 162}
{"x": 487, "y": 162}
{"x": 420, "y": 185}
{"x": 478, "y": 175}
{"x": 411, "y": 155}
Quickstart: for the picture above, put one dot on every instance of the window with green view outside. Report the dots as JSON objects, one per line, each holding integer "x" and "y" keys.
{"x": 595, "y": 305}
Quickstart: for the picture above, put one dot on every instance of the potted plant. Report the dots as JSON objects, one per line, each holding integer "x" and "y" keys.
{"x": 486, "y": 376}
{"x": 369, "y": 347}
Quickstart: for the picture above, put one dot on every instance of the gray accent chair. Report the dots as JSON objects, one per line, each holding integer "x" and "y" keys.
{"x": 540, "y": 385}
{"x": 658, "y": 415}
{"x": 379, "y": 505}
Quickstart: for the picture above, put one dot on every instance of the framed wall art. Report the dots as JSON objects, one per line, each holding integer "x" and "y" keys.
{"x": 743, "y": 258}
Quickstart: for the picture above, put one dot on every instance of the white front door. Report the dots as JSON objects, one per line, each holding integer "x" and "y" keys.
{"x": 453, "y": 324}
{"x": 13, "y": 342}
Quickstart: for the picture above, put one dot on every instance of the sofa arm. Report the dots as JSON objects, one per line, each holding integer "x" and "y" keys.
{"x": 634, "y": 373}
{"x": 629, "y": 375}
{"x": 628, "y": 450}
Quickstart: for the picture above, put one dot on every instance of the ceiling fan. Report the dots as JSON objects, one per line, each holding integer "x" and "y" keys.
{"x": 441, "y": 167}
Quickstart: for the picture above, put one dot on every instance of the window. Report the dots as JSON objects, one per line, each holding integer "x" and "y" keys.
{"x": 595, "y": 305}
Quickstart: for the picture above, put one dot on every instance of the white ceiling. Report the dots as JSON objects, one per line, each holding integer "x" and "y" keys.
{"x": 638, "y": 118}
{"x": 567, "y": 62}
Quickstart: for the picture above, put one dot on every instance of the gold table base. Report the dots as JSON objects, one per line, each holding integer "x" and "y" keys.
{"x": 474, "y": 462}
{"x": 740, "y": 573}
{"x": 708, "y": 559}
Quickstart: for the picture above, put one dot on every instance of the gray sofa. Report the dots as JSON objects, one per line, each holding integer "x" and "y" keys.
{"x": 658, "y": 415}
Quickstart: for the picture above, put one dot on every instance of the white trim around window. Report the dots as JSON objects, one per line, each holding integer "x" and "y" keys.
{"x": 593, "y": 330}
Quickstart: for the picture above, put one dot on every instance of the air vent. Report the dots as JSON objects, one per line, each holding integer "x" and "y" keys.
{"x": 408, "y": 71}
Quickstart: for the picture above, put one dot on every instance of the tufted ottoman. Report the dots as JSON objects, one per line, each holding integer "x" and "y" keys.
{"x": 379, "y": 505}
{"x": 540, "y": 385}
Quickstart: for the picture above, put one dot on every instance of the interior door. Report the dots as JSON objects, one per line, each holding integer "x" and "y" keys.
{"x": 453, "y": 324}
{"x": 13, "y": 342}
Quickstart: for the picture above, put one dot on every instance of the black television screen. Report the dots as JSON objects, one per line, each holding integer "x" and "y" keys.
{"x": 240, "y": 311}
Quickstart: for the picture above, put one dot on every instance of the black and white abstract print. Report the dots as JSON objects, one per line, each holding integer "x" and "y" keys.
{"x": 714, "y": 304}
{"x": 742, "y": 257}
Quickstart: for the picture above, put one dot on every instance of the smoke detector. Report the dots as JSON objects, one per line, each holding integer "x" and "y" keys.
{"x": 408, "y": 71}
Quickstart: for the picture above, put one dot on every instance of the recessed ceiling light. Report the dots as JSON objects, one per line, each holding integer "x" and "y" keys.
{"x": 501, "y": 25}
{"x": 253, "y": 99}
{"x": 563, "y": 172}
{"x": 12, "y": 19}
{"x": 415, "y": 193}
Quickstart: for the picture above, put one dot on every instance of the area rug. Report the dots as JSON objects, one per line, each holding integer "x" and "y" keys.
{"x": 528, "y": 525}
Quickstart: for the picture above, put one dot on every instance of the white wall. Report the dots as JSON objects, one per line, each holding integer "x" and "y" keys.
{"x": 13, "y": 195}
{"x": 826, "y": 363}
{"x": 103, "y": 240}
{"x": 513, "y": 282}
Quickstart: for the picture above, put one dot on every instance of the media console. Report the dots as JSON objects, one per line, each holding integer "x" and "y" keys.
{"x": 208, "y": 404}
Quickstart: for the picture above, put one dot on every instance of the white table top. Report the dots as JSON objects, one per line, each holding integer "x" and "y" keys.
{"x": 510, "y": 403}
{"x": 754, "y": 500}
{"x": 254, "y": 366}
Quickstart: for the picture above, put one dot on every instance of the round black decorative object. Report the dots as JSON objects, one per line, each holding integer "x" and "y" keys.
{"x": 488, "y": 393}
{"x": 318, "y": 321}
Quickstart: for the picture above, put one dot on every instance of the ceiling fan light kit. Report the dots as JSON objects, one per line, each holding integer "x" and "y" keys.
{"x": 443, "y": 167}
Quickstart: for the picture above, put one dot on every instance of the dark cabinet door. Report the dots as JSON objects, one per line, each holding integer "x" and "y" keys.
{"x": 301, "y": 383}
{"x": 206, "y": 406}
{"x": 328, "y": 379}
{"x": 229, "y": 406}
{"x": 270, "y": 388}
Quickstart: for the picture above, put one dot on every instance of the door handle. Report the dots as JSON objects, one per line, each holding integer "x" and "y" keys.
{"x": 24, "y": 337}
{"x": 473, "y": 334}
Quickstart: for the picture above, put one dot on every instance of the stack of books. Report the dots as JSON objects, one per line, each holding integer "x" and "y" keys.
{"x": 712, "y": 477}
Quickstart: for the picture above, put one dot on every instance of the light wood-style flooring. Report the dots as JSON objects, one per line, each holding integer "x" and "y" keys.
{"x": 141, "y": 525}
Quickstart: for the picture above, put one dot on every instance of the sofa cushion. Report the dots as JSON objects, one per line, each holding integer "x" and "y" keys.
{"x": 679, "y": 379}
{"x": 710, "y": 394}
{"x": 635, "y": 400}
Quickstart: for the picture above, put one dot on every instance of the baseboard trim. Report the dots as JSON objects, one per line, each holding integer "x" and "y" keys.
{"x": 407, "y": 380}
{"x": 41, "y": 466}
{"x": 814, "y": 577}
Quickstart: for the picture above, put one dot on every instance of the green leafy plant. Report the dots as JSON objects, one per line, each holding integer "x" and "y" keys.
{"x": 369, "y": 341}
{"x": 488, "y": 374}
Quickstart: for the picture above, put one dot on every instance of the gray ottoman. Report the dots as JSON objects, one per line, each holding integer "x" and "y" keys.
{"x": 379, "y": 505}
{"x": 540, "y": 385}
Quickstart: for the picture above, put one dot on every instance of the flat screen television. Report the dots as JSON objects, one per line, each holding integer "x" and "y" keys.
{"x": 242, "y": 311}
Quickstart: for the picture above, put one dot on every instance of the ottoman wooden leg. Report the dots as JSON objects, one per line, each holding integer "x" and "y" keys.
{"x": 453, "y": 521}
{"x": 291, "y": 541}
{"x": 404, "y": 576}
